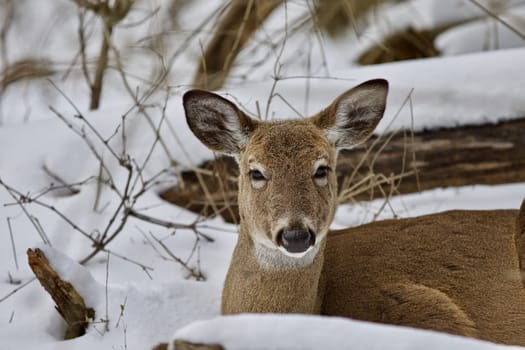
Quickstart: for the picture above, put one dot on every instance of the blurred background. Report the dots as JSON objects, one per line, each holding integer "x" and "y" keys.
{"x": 101, "y": 51}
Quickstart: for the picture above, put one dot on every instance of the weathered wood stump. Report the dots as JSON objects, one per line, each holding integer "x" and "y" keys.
{"x": 68, "y": 302}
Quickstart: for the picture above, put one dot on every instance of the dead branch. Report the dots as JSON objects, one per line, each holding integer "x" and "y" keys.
{"x": 135, "y": 186}
{"x": 169, "y": 224}
{"x": 193, "y": 272}
{"x": 23, "y": 199}
{"x": 12, "y": 241}
{"x": 102, "y": 63}
{"x": 69, "y": 303}
{"x": 5, "y": 297}
{"x": 72, "y": 190}
{"x": 498, "y": 18}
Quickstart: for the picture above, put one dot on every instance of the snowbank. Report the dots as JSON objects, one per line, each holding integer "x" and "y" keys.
{"x": 302, "y": 332}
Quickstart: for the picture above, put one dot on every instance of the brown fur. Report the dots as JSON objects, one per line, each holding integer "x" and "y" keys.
{"x": 456, "y": 272}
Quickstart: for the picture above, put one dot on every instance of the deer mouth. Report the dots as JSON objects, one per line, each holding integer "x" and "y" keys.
{"x": 296, "y": 241}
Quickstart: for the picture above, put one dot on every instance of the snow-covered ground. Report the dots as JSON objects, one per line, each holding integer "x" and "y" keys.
{"x": 146, "y": 300}
{"x": 270, "y": 331}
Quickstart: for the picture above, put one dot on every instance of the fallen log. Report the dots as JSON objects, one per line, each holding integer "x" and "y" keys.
{"x": 398, "y": 163}
{"x": 69, "y": 304}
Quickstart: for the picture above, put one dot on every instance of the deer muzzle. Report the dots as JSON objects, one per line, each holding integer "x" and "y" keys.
{"x": 296, "y": 240}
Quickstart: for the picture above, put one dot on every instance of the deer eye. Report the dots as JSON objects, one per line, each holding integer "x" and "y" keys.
{"x": 321, "y": 172}
{"x": 256, "y": 175}
{"x": 258, "y": 178}
{"x": 321, "y": 176}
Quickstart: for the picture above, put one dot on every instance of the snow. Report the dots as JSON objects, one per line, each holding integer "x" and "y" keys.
{"x": 484, "y": 34}
{"x": 477, "y": 197}
{"x": 301, "y": 332}
{"x": 146, "y": 300}
{"x": 444, "y": 92}
{"x": 436, "y": 13}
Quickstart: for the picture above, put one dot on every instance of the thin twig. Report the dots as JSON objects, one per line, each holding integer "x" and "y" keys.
{"x": 82, "y": 134}
{"x": 193, "y": 272}
{"x": 169, "y": 224}
{"x": 20, "y": 200}
{"x": 12, "y": 241}
{"x": 106, "y": 292}
{"x": 96, "y": 87}
{"x": 57, "y": 178}
{"x": 277, "y": 65}
{"x": 17, "y": 289}
{"x": 145, "y": 268}
{"x": 82, "y": 43}
{"x": 498, "y": 18}
{"x": 52, "y": 187}
{"x": 122, "y": 308}
{"x": 98, "y": 191}
{"x": 105, "y": 238}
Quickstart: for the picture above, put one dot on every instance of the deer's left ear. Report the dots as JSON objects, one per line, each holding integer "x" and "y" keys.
{"x": 217, "y": 122}
{"x": 354, "y": 115}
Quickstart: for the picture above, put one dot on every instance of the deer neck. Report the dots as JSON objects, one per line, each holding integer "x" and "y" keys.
{"x": 264, "y": 279}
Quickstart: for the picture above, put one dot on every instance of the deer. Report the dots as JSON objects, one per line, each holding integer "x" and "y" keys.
{"x": 458, "y": 272}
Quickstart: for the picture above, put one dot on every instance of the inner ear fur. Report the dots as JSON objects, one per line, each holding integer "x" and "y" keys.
{"x": 354, "y": 115}
{"x": 217, "y": 122}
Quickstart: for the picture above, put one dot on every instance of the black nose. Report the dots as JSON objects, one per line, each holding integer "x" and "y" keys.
{"x": 296, "y": 241}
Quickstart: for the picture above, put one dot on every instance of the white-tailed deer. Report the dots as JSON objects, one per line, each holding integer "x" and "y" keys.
{"x": 458, "y": 272}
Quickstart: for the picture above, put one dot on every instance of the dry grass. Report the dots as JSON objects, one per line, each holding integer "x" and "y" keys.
{"x": 335, "y": 16}
{"x": 25, "y": 69}
{"x": 405, "y": 45}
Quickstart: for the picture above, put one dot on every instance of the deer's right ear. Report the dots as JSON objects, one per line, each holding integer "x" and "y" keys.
{"x": 354, "y": 115}
{"x": 217, "y": 122}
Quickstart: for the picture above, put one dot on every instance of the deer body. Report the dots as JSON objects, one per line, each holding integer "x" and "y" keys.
{"x": 456, "y": 272}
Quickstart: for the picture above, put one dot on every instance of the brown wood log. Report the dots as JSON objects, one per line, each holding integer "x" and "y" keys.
{"x": 398, "y": 163}
{"x": 68, "y": 302}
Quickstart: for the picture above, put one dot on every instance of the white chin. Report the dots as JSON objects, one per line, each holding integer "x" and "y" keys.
{"x": 295, "y": 255}
{"x": 272, "y": 257}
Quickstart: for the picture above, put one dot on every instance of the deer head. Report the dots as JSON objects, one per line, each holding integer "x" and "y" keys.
{"x": 287, "y": 181}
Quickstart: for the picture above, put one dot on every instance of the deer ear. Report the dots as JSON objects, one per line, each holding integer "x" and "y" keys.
{"x": 217, "y": 122}
{"x": 354, "y": 115}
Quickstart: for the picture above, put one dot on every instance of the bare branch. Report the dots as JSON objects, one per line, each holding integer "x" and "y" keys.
{"x": 17, "y": 289}
{"x": 12, "y": 241}
{"x": 169, "y": 224}
{"x": 72, "y": 190}
{"x": 196, "y": 273}
{"x": 498, "y": 18}
{"x": 22, "y": 199}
